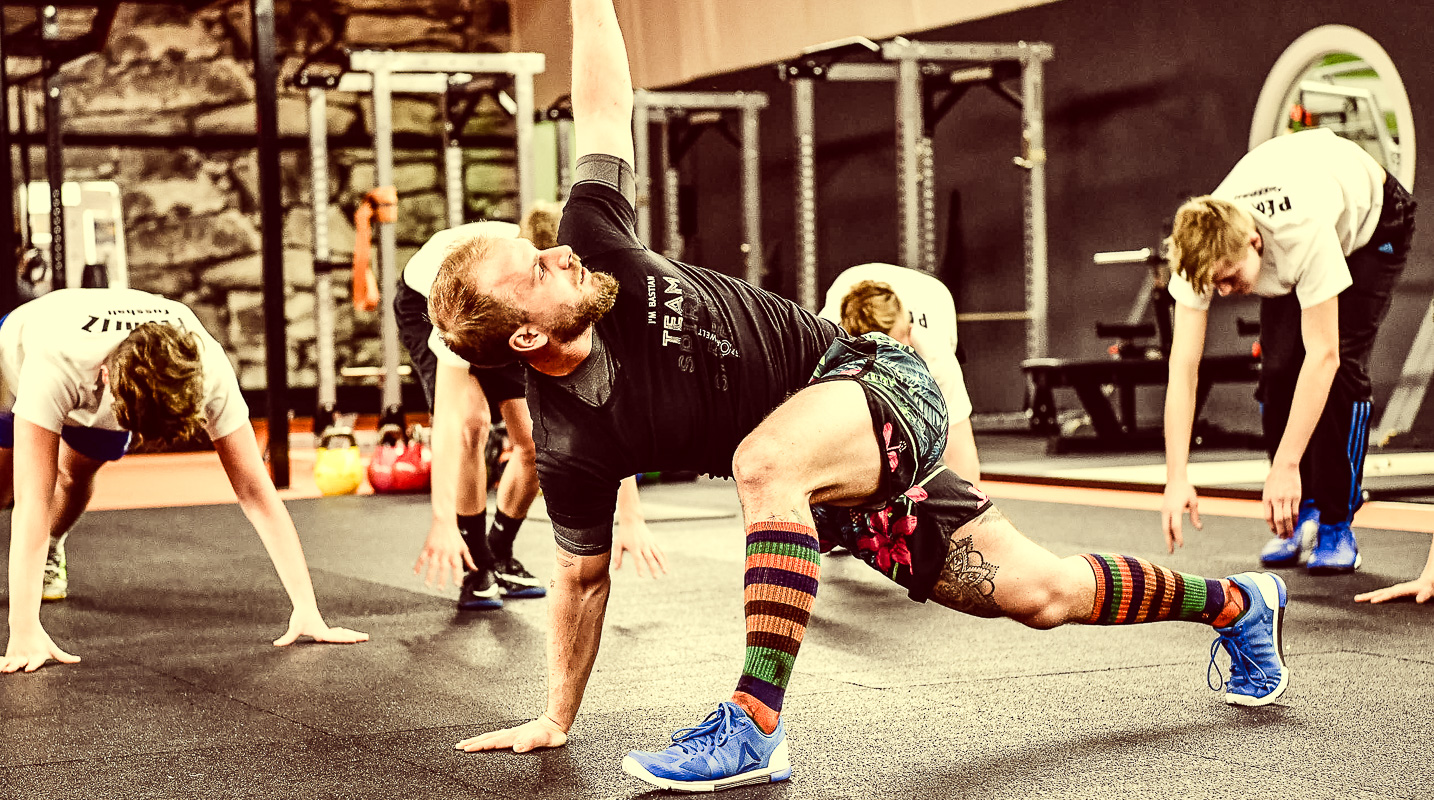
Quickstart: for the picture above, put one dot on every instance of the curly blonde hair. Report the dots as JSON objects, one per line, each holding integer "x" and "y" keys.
{"x": 157, "y": 380}
{"x": 870, "y": 306}
{"x": 1206, "y": 230}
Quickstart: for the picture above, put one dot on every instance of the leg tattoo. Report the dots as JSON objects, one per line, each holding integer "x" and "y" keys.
{"x": 967, "y": 582}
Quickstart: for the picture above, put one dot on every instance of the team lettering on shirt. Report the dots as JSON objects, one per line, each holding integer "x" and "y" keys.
{"x": 670, "y": 313}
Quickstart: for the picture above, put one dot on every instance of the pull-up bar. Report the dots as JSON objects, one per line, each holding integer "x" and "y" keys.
{"x": 381, "y": 74}
{"x": 909, "y": 65}
{"x": 661, "y": 108}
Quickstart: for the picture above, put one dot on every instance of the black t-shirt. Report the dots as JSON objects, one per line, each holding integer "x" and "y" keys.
{"x": 698, "y": 359}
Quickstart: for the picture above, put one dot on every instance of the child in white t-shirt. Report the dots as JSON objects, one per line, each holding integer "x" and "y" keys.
{"x": 84, "y": 372}
{"x": 1315, "y": 227}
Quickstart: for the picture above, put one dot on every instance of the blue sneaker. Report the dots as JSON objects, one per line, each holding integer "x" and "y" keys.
{"x": 726, "y": 750}
{"x": 1258, "y": 674}
{"x": 1290, "y": 552}
{"x": 1336, "y": 552}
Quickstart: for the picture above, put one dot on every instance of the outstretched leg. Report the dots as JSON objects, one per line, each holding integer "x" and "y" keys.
{"x": 992, "y": 570}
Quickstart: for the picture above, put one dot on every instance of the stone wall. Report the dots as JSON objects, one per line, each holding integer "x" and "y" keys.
{"x": 191, "y": 207}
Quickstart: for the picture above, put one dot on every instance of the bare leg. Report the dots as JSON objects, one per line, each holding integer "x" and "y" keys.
{"x": 817, "y": 447}
{"x": 518, "y": 485}
{"x": 992, "y": 570}
{"x": 74, "y": 486}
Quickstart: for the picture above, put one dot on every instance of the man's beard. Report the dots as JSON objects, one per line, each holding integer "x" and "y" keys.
{"x": 584, "y": 314}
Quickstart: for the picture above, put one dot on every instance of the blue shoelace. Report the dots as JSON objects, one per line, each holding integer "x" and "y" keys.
{"x": 714, "y": 731}
{"x": 1239, "y": 662}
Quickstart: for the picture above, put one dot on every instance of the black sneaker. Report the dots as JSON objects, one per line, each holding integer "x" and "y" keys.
{"x": 480, "y": 592}
{"x": 517, "y": 582}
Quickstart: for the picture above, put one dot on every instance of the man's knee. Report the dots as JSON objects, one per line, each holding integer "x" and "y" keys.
{"x": 758, "y": 464}
{"x": 1054, "y": 598}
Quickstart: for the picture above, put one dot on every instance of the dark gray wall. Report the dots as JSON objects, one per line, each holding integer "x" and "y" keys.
{"x": 1147, "y": 103}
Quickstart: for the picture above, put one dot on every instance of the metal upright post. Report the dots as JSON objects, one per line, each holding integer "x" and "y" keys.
{"x": 752, "y": 197}
{"x": 565, "y": 156}
{"x": 452, "y": 164}
{"x": 271, "y": 220}
{"x": 9, "y": 231}
{"x": 926, "y": 163}
{"x": 1034, "y": 138}
{"x": 908, "y": 172}
{"x": 327, "y": 361}
{"x": 671, "y": 187}
{"x": 804, "y": 123}
{"x": 54, "y": 150}
{"x": 641, "y": 144}
{"x": 523, "y": 96}
{"x": 387, "y": 240}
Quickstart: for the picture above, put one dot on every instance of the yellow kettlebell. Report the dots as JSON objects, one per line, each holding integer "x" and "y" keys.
{"x": 338, "y": 469}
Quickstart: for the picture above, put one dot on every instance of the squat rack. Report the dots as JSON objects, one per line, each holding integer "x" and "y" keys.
{"x": 921, "y": 70}
{"x": 381, "y": 74}
{"x": 664, "y": 108}
{"x": 43, "y": 40}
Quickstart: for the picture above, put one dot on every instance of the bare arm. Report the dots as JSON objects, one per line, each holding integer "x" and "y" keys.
{"x": 633, "y": 535}
{"x": 961, "y": 455}
{"x": 457, "y": 455}
{"x": 602, "y": 82}
{"x": 1185, "y": 352}
{"x": 239, "y": 455}
{"x": 36, "y": 455}
{"x": 577, "y": 604}
{"x": 1421, "y": 588}
{"x": 1319, "y": 327}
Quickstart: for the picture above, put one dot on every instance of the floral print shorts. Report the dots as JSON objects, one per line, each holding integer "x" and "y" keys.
{"x": 903, "y": 532}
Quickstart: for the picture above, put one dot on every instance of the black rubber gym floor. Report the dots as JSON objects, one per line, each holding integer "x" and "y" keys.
{"x": 180, "y": 694}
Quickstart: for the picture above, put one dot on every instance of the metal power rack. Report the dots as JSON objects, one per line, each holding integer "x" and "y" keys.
{"x": 930, "y": 77}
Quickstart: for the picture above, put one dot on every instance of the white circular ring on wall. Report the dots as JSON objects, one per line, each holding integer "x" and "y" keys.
{"x": 1314, "y": 45}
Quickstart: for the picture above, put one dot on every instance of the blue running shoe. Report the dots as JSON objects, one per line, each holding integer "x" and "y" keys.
{"x": 1336, "y": 552}
{"x": 1256, "y": 645}
{"x": 726, "y": 750}
{"x": 1290, "y": 552}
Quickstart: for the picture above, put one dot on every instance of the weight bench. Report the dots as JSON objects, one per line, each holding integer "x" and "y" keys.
{"x": 1089, "y": 379}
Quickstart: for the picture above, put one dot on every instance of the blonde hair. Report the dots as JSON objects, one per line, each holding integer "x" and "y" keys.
{"x": 870, "y": 306}
{"x": 1207, "y": 230}
{"x": 476, "y": 325}
{"x": 541, "y": 225}
{"x": 157, "y": 380}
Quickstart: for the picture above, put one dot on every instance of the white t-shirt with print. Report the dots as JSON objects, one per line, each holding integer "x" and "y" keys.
{"x": 51, "y": 349}
{"x": 933, "y": 323}
{"x": 422, "y": 270}
{"x": 1315, "y": 198}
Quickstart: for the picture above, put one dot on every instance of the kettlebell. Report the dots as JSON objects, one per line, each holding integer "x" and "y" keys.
{"x": 338, "y": 468}
{"x": 400, "y": 463}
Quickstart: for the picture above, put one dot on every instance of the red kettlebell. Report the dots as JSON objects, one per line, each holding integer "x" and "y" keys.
{"x": 400, "y": 463}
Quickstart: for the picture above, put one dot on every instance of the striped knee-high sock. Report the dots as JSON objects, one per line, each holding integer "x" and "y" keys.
{"x": 782, "y": 570}
{"x": 1129, "y": 591}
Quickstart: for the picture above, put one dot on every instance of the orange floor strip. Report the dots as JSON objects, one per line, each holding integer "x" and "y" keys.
{"x": 188, "y": 479}
{"x": 1379, "y": 514}
{"x": 194, "y": 479}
